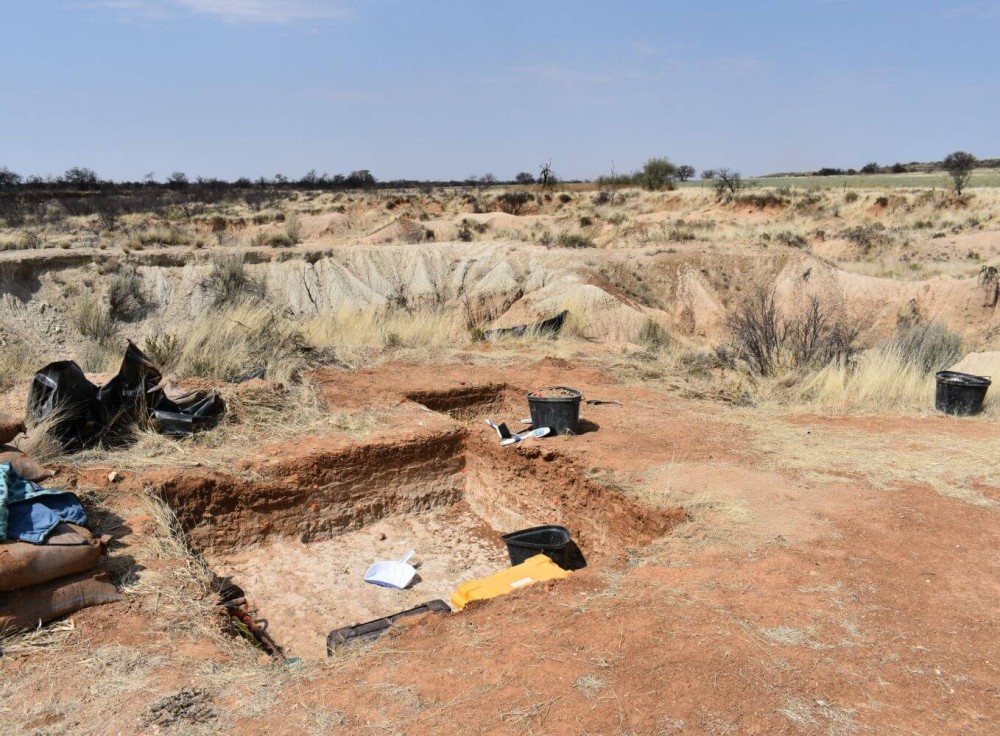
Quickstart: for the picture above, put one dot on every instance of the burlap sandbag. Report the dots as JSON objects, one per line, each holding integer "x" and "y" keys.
{"x": 28, "y": 607}
{"x": 10, "y": 427}
{"x": 68, "y": 550}
{"x": 24, "y": 465}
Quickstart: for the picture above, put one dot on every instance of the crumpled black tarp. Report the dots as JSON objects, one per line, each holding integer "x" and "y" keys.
{"x": 551, "y": 326}
{"x": 88, "y": 413}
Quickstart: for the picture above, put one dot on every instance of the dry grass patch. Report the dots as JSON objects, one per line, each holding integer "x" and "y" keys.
{"x": 949, "y": 463}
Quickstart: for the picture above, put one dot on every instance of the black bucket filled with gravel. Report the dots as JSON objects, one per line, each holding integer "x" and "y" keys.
{"x": 555, "y": 407}
{"x": 961, "y": 394}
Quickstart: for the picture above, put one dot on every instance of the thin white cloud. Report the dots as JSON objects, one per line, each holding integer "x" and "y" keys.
{"x": 986, "y": 9}
{"x": 231, "y": 11}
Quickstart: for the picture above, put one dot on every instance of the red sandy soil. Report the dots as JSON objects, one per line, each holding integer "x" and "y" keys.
{"x": 779, "y": 605}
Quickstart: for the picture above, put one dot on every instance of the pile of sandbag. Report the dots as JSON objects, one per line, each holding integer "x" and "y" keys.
{"x": 47, "y": 554}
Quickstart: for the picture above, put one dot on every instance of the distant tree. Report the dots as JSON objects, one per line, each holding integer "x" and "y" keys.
{"x": 360, "y": 179}
{"x": 685, "y": 172}
{"x": 309, "y": 179}
{"x": 8, "y": 178}
{"x": 708, "y": 174}
{"x": 546, "y": 175}
{"x": 898, "y": 168}
{"x": 178, "y": 180}
{"x": 488, "y": 179}
{"x": 870, "y": 168}
{"x": 280, "y": 179}
{"x": 81, "y": 178}
{"x": 829, "y": 171}
{"x": 728, "y": 180}
{"x": 959, "y": 166}
{"x": 659, "y": 173}
{"x": 524, "y": 178}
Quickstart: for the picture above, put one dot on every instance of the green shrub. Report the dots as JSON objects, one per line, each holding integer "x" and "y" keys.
{"x": 658, "y": 173}
{"x": 574, "y": 240}
{"x": 163, "y": 349}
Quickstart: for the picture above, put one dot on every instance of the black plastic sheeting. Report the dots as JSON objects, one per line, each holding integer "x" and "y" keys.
{"x": 87, "y": 414}
{"x": 551, "y": 326}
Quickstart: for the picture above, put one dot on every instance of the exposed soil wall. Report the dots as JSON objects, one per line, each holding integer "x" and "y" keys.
{"x": 314, "y": 496}
{"x": 515, "y": 488}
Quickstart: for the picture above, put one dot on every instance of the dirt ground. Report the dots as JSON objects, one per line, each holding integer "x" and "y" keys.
{"x": 749, "y": 572}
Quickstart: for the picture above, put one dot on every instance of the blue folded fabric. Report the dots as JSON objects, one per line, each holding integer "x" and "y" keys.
{"x": 33, "y": 520}
{"x": 29, "y": 513}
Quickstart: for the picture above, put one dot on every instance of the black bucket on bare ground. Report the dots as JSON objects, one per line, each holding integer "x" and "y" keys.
{"x": 961, "y": 394}
{"x": 555, "y": 542}
{"x": 555, "y": 407}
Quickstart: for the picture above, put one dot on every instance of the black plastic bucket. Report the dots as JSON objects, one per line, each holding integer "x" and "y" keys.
{"x": 555, "y": 542}
{"x": 960, "y": 394}
{"x": 559, "y": 411}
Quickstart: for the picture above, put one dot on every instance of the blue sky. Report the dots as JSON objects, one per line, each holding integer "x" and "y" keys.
{"x": 445, "y": 89}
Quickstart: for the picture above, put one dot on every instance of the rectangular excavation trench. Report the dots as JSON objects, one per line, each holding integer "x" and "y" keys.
{"x": 298, "y": 541}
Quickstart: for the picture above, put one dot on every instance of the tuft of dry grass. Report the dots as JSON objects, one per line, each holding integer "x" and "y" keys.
{"x": 356, "y": 335}
{"x": 881, "y": 379}
{"x": 239, "y": 341}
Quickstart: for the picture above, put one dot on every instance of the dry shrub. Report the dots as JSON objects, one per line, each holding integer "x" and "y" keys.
{"x": 929, "y": 348}
{"x": 92, "y": 319}
{"x": 126, "y": 300}
{"x": 513, "y": 203}
{"x": 896, "y": 375}
{"x": 293, "y": 228}
{"x": 17, "y": 362}
{"x": 574, "y": 240}
{"x": 764, "y": 340}
{"x": 869, "y": 237}
{"x": 230, "y": 283}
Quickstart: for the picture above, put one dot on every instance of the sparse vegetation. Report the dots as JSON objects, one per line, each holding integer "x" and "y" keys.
{"x": 574, "y": 240}
{"x": 229, "y": 282}
{"x": 93, "y": 320}
{"x": 513, "y": 203}
{"x": 126, "y": 300}
{"x": 928, "y": 348}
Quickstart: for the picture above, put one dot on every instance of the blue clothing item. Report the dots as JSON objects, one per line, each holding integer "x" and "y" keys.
{"x": 29, "y": 512}
{"x": 33, "y": 520}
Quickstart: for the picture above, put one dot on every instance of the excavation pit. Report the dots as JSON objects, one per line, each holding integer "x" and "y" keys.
{"x": 297, "y": 531}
